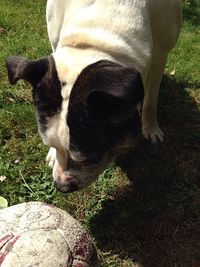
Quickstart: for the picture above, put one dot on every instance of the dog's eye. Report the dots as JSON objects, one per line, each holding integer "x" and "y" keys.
{"x": 93, "y": 159}
{"x": 75, "y": 165}
{"x": 73, "y": 147}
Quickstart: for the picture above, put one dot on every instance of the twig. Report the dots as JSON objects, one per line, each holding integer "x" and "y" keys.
{"x": 25, "y": 182}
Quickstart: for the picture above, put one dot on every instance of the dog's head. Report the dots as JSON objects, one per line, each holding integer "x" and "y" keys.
{"x": 89, "y": 124}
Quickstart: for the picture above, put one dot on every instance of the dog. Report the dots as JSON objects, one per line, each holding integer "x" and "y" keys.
{"x": 108, "y": 56}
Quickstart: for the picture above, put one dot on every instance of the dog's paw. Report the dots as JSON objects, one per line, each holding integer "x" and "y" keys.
{"x": 153, "y": 133}
{"x": 51, "y": 157}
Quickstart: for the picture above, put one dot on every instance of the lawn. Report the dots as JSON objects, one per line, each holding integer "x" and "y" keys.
{"x": 145, "y": 209}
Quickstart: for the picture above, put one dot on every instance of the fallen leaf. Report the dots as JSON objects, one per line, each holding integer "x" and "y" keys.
{"x": 2, "y": 178}
{"x": 2, "y": 30}
{"x": 173, "y": 72}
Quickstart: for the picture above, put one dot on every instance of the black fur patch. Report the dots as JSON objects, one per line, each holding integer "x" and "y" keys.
{"x": 92, "y": 130}
{"x": 42, "y": 75}
{"x": 47, "y": 93}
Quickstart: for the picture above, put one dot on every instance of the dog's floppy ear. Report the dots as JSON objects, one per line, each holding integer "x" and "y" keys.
{"x": 26, "y": 69}
{"x": 116, "y": 91}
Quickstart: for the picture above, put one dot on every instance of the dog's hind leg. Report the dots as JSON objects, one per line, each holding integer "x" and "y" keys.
{"x": 150, "y": 127}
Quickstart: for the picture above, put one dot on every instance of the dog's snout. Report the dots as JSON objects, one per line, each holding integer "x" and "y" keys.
{"x": 68, "y": 186}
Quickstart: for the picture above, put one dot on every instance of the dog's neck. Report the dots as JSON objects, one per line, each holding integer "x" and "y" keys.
{"x": 70, "y": 61}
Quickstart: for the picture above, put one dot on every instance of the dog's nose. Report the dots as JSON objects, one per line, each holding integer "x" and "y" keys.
{"x": 67, "y": 186}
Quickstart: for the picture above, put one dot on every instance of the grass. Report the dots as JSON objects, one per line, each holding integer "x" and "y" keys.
{"x": 142, "y": 211}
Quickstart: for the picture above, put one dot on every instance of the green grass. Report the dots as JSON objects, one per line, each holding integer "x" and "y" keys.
{"x": 144, "y": 211}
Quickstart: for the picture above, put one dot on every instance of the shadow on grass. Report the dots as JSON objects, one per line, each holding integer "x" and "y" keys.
{"x": 191, "y": 11}
{"x": 157, "y": 221}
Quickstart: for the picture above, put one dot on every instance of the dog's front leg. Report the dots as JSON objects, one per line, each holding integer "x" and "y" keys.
{"x": 51, "y": 157}
{"x": 150, "y": 127}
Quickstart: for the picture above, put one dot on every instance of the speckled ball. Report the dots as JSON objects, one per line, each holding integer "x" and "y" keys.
{"x": 37, "y": 234}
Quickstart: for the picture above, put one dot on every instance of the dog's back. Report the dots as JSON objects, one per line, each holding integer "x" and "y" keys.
{"x": 117, "y": 27}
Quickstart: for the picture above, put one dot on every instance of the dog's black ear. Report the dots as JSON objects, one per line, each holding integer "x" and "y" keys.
{"x": 116, "y": 92}
{"x": 105, "y": 106}
{"x": 26, "y": 69}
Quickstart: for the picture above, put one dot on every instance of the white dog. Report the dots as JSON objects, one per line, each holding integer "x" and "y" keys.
{"x": 107, "y": 55}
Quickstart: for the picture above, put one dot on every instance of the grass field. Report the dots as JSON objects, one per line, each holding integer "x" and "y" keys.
{"x": 142, "y": 211}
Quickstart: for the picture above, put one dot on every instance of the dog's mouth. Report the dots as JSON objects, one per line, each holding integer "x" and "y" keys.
{"x": 72, "y": 182}
{"x": 79, "y": 175}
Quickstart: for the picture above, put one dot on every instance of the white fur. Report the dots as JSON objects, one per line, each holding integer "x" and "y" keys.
{"x": 51, "y": 157}
{"x": 132, "y": 33}
{"x": 137, "y": 33}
